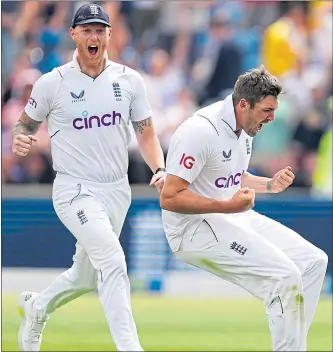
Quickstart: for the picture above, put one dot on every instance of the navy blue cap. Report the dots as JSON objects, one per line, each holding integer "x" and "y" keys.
{"x": 91, "y": 13}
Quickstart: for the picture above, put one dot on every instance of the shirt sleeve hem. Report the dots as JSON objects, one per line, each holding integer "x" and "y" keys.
{"x": 182, "y": 177}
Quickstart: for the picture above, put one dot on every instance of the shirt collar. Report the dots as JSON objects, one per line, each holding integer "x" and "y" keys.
{"x": 75, "y": 63}
{"x": 228, "y": 116}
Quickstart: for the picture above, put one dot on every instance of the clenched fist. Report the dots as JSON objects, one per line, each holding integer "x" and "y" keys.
{"x": 242, "y": 200}
{"x": 22, "y": 144}
{"x": 158, "y": 180}
{"x": 281, "y": 180}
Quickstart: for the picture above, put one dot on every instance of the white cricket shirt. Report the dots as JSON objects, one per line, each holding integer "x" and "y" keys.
{"x": 89, "y": 118}
{"x": 206, "y": 152}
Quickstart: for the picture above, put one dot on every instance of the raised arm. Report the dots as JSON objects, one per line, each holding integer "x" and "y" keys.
{"x": 258, "y": 183}
{"x": 280, "y": 181}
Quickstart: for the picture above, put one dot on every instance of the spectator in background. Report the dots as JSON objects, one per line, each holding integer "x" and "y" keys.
{"x": 38, "y": 168}
{"x": 122, "y": 46}
{"x": 17, "y": 24}
{"x": 144, "y": 17}
{"x": 285, "y": 42}
{"x": 302, "y": 99}
{"x": 21, "y": 86}
{"x": 306, "y": 139}
{"x": 246, "y": 36}
{"x": 20, "y": 64}
{"x": 321, "y": 34}
{"x": 7, "y": 165}
{"x": 165, "y": 75}
{"x": 314, "y": 74}
{"x": 174, "y": 115}
{"x": 187, "y": 52}
{"x": 323, "y": 176}
{"x": 261, "y": 13}
{"x": 10, "y": 43}
{"x": 220, "y": 65}
{"x": 52, "y": 35}
{"x": 165, "y": 80}
{"x": 171, "y": 22}
{"x": 121, "y": 36}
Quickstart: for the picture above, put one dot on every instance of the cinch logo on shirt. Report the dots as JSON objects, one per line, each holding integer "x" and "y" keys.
{"x": 86, "y": 122}
{"x": 231, "y": 180}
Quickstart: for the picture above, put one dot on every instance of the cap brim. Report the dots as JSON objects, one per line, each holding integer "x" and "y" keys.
{"x": 93, "y": 20}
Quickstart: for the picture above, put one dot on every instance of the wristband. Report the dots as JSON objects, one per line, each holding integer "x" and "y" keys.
{"x": 159, "y": 169}
{"x": 269, "y": 186}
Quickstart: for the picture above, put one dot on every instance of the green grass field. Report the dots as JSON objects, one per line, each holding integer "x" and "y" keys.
{"x": 165, "y": 325}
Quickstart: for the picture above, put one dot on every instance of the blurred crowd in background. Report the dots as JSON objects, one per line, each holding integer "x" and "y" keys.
{"x": 190, "y": 54}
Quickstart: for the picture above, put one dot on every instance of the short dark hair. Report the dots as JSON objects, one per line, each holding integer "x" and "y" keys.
{"x": 256, "y": 84}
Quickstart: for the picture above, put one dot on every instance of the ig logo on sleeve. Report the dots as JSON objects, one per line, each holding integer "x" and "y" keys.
{"x": 187, "y": 161}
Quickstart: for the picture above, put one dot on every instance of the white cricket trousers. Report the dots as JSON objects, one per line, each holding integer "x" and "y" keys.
{"x": 94, "y": 214}
{"x": 267, "y": 259}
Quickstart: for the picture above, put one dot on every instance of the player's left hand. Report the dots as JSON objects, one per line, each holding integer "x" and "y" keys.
{"x": 158, "y": 180}
{"x": 282, "y": 179}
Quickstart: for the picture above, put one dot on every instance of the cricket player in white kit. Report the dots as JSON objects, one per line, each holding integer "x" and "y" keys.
{"x": 208, "y": 219}
{"x": 88, "y": 104}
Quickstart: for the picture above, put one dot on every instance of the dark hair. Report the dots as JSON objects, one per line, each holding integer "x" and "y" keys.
{"x": 256, "y": 84}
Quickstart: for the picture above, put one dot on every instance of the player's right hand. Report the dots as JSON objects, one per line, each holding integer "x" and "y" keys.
{"x": 22, "y": 144}
{"x": 243, "y": 200}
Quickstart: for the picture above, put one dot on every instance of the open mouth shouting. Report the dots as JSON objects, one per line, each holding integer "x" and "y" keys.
{"x": 260, "y": 126}
{"x": 93, "y": 50}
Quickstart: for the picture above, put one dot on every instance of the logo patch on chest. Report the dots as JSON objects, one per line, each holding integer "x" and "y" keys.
{"x": 77, "y": 98}
{"x": 226, "y": 155}
{"x": 117, "y": 91}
